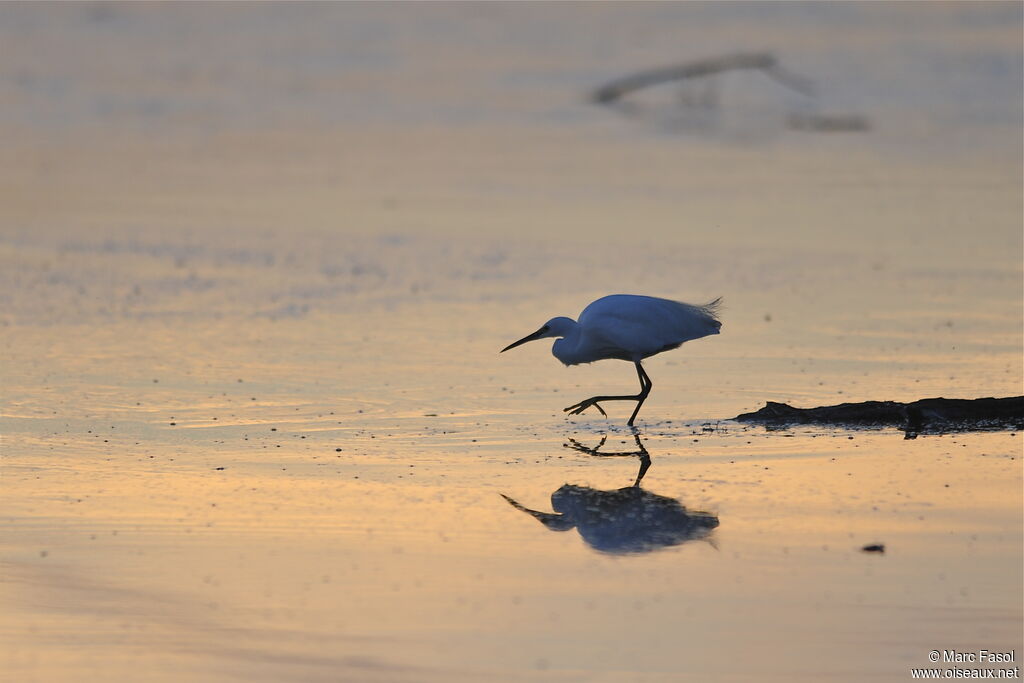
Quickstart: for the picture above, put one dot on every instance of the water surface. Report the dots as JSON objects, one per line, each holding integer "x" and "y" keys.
{"x": 257, "y": 262}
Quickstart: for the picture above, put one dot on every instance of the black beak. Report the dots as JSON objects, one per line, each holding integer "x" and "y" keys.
{"x": 530, "y": 337}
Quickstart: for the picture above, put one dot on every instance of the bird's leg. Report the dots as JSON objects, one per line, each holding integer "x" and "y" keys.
{"x": 595, "y": 401}
{"x": 578, "y": 408}
{"x": 645, "y": 388}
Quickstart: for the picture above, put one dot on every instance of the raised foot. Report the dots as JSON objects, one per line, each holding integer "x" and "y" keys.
{"x": 578, "y": 408}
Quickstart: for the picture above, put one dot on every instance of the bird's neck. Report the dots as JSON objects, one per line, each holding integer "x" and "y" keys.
{"x": 564, "y": 349}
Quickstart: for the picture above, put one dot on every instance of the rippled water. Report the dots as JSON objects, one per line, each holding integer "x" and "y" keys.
{"x": 257, "y": 262}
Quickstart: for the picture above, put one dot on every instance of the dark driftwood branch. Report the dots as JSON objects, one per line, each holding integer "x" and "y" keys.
{"x": 706, "y": 67}
{"x": 927, "y": 414}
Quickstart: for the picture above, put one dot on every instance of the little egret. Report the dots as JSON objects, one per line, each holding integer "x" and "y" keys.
{"x": 625, "y": 327}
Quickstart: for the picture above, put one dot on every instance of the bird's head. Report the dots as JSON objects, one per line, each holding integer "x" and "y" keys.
{"x": 556, "y": 327}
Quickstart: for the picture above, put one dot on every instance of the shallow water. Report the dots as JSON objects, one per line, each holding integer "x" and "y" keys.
{"x": 255, "y": 424}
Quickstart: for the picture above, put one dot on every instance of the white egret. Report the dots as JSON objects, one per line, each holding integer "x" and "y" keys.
{"x": 625, "y": 327}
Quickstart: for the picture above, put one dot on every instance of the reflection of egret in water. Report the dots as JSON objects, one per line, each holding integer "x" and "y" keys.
{"x": 626, "y": 520}
{"x": 641, "y": 452}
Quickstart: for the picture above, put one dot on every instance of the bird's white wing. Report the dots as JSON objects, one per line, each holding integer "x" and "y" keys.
{"x": 635, "y": 327}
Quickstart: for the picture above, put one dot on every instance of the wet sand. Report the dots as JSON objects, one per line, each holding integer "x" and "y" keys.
{"x": 255, "y": 424}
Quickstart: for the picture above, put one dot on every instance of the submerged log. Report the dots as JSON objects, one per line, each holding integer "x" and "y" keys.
{"x": 927, "y": 414}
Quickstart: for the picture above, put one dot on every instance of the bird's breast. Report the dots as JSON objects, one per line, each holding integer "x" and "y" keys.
{"x": 588, "y": 350}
